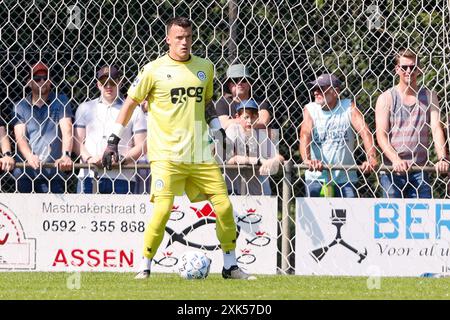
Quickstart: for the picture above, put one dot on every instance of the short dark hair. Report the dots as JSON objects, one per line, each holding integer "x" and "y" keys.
{"x": 406, "y": 53}
{"x": 254, "y": 112}
{"x": 178, "y": 21}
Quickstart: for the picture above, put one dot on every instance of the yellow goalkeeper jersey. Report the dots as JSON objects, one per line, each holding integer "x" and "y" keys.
{"x": 176, "y": 92}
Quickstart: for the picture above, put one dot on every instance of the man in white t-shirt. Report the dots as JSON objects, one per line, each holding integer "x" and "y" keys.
{"x": 94, "y": 120}
{"x": 143, "y": 177}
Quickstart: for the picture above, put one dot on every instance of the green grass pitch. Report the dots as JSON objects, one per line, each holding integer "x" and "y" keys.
{"x": 104, "y": 286}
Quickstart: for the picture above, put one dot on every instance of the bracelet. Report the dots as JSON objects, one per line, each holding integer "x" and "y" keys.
{"x": 87, "y": 159}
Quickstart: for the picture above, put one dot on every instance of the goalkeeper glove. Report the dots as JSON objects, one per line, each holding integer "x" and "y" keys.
{"x": 111, "y": 153}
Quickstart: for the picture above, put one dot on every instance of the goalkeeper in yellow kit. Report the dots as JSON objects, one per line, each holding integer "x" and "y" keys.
{"x": 179, "y": 89}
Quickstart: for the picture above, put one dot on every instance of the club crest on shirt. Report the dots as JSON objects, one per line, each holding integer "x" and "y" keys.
{"x": 159, "y": 185}
{"x": 201, "y": 75}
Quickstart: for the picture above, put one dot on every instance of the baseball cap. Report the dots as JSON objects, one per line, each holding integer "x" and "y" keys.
{"x": 238, "y": 71}
{"x": 108, "y": 71}
{"x": 39, "y": 69}
{"x": 326, "y": 80}
{"x": 247, "y": 104}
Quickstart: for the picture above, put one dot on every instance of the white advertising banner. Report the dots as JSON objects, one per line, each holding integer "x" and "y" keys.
{"x": 372, "y": 237}
{"x": 73, "y": 232}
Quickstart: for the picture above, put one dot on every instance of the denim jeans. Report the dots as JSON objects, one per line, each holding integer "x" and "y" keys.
{"x": 143, "y": 181}
{"x": 40, "y": 184}
{"x": 346, "y": 190}
{"x": 410, "y": 185}
{"x": 105, "y": 186}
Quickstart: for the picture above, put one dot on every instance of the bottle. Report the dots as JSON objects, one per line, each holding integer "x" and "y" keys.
{"x": 327, "y": 189}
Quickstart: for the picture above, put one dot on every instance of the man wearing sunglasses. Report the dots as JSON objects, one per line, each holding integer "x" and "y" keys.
{"x": 405, "y": 116}
{"x": 94, "y": 121}
{"x": 238, "y": 88}
{"x": 328, "y": 136}
{"x": 43, "y": 131}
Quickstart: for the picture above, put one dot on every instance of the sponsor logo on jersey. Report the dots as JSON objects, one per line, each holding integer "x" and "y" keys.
{"x": 180, "y": 95}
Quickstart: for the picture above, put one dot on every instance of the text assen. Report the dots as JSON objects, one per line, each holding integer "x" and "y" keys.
{"x": 108, "y": 258}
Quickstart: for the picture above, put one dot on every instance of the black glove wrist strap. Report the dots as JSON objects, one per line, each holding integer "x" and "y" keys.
{"x": 113, "y": 139}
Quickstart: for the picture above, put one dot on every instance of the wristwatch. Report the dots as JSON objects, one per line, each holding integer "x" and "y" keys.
{"x": 67, "y": 153}
{"x": 8, "y": 154}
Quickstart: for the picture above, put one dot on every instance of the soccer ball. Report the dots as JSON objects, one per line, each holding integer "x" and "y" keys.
{"x": 194, "y": 265}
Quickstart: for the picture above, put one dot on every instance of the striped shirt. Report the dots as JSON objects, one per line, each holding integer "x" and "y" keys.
{"x": 409, "y": 132}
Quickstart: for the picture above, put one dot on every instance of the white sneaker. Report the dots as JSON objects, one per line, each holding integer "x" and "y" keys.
{"x": 144, "y": 274}
{"x": 236, "y": 273}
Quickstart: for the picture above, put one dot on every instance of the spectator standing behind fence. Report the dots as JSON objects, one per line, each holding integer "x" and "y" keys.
{"x": 327, "y": 137}
{"x": 6, "y": 161}
{"x": 94, "y": 121}
{"x": 405, "y": 115}
{"x": 43, "y": 131}
{"x": 250, "y": 146}
{"x": 238, "y": 87}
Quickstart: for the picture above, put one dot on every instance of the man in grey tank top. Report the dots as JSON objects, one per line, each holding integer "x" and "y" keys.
{"x": 405, "y": 116}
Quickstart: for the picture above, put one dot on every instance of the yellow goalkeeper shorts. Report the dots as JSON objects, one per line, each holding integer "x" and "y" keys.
{"x": 196, "y": 179}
